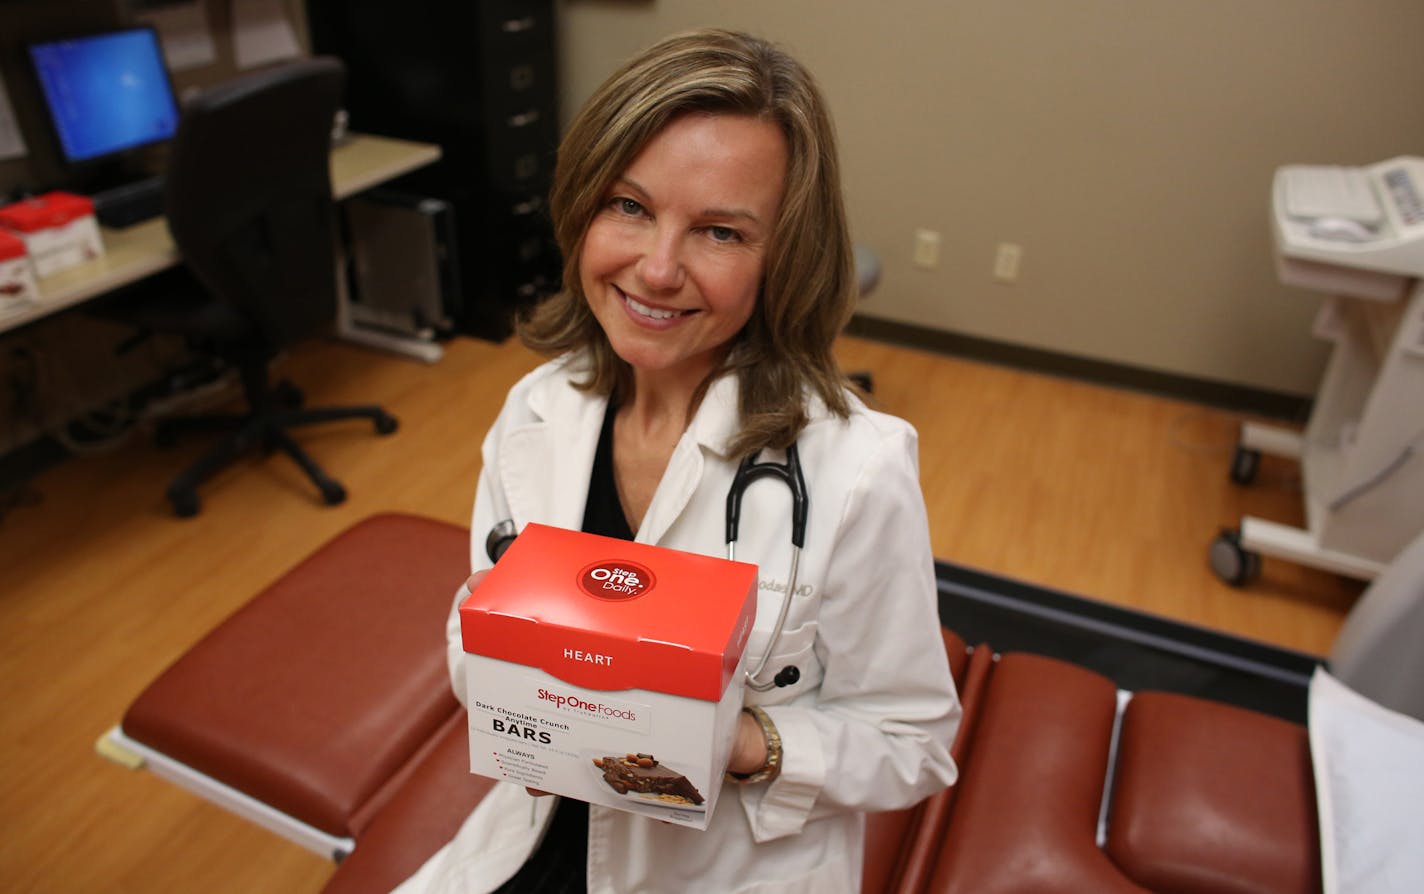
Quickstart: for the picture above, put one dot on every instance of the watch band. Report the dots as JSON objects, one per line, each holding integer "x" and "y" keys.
{"x": 772, "y": 768}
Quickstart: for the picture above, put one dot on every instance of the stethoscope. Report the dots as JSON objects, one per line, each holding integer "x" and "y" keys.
{"x": 790, "y": 473}
{"x": 748, "y": 471}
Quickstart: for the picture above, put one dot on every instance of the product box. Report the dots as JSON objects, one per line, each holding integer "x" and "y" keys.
{"x": 17, "y": 277}
{"x": 608, "y": 671}
{"x": 58, "y": 229}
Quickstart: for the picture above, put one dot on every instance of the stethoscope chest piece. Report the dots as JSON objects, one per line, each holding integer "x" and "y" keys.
{"x": 499, "y": 538}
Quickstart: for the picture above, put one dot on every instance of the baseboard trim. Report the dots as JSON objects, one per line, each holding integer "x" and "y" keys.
{"x": 1237, "y": 398}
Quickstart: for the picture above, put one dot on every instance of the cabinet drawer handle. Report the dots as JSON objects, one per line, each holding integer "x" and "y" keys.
{"x": 522, "y": 209}
{"x": 526, "y": 166}
{"x": 515, "y": 26}
{"x": 521, "y": 77}
{"x": 524, "y": 119}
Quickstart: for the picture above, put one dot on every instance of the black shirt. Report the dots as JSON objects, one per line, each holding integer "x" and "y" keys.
{"x": 559, "y": 865}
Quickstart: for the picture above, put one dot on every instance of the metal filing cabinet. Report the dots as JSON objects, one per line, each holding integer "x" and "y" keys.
{"x": 478, "y": 79}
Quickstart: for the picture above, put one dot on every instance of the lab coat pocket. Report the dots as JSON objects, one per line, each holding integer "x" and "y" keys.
{"x": 793, "y": 649}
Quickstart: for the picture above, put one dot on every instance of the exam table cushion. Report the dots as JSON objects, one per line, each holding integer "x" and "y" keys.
{"x": 1370, "y": 788}
{"x": 898, "y": 842}
{"x": 1211, "y": 797}
{"x": 283, "y": 700}
{"x": 422, "y": 816}
{"x": 920, "y": 841}
{"x": 1031, "y": 785}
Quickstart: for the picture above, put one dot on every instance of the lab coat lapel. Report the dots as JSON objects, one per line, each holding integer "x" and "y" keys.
{"x": 544, "y": 465}
{"x": 675, "y": 490}
{"x": 712, "y": 427}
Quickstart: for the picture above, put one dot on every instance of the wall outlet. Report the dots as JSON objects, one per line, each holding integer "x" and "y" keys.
{"x": 926, "y": 249}
{"x": 1007, "y": 260}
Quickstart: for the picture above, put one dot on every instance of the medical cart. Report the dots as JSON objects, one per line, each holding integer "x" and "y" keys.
{"x": 1356, "y": 234}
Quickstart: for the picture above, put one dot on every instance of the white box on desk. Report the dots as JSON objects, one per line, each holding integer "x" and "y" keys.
{"x": 58, "y": 229}
{"x": 17, "y": 274}
{"x": 597, "y": 667}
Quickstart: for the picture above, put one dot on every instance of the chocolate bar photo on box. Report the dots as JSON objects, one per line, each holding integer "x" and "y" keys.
{"x": 643, "y": 774}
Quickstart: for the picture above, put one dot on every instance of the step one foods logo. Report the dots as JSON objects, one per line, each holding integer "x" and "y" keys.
{"x": 616, "y": 579}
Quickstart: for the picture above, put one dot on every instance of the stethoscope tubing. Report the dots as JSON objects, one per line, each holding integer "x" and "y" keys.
{"x": 790, "y": 473}
{"x": 752, "y": 676}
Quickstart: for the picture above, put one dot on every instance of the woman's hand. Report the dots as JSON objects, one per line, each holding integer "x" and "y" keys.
{"x": 749, "y": 750}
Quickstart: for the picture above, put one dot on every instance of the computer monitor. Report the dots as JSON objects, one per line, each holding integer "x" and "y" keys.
{"x": 106, "y": 93}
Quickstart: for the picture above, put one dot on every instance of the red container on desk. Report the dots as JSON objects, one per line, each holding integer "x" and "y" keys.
{"x": 17, "y": 277}
{"x": 58, "y": 229}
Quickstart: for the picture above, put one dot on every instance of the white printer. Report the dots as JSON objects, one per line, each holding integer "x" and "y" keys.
{"x": 1359, "y": 231}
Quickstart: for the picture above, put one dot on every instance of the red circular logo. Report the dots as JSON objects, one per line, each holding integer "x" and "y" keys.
{"x": 616, "y": 579}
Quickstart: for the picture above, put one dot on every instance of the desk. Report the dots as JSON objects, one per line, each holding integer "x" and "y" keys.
{"x": 146, "y": 248}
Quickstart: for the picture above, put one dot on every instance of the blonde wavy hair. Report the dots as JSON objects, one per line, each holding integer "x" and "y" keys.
{"x": 784, "y": 353}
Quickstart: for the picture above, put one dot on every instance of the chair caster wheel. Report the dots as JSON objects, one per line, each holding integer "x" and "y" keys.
{"x": 1245, "y": 462}
{"x": 385, "y": 424}
{"x": 1232, "y": 562}
{"x": 185, "y": 503}
{"x": 289, "y": 395}
{"x": 332, "y": 492}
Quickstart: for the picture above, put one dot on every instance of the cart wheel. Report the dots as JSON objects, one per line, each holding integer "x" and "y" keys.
{"x": 1232, "y": 562}
{"x": 1244, "y": 464}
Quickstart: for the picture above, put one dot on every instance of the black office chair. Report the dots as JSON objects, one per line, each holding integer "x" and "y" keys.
{"x": 247, "y": 196}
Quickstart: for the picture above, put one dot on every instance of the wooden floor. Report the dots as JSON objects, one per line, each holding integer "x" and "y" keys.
{"x": 1102, "y": 492}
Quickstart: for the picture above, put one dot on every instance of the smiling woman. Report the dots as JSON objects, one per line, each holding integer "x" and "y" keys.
{"x": 672, "y": 265}
{"x": 807, "y": 291}
{"x": 707, "y": 274}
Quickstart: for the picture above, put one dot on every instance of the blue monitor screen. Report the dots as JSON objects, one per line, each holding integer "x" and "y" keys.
{"x": 106, "y": 93}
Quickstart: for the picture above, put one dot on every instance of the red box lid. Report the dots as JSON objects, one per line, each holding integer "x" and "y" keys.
{"x": 608, "y": 614}
{"x": 11, "y": 246}
{"x": 53, "y": 209}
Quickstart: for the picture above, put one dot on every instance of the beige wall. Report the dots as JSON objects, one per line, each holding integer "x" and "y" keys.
{"x": 1127, "y": 145}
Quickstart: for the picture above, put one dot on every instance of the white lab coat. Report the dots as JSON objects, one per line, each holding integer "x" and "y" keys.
{"x": 868, "y": 725}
